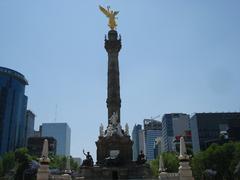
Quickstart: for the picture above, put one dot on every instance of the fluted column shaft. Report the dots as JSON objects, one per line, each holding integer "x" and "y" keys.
{"x": 113, "y": 46}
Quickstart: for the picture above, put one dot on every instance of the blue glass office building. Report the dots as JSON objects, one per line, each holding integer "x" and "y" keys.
{"x": 30, "y": 121}
{"x": 62, "y": 133}
{"x": 13, "y": 105}
{"x": 136, "y": 139}
{"x": 152, "y": 130}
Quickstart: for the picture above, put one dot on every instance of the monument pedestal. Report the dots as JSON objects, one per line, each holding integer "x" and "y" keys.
{"x": 43, "y": 172}
{"x": 120, "y": 145}
{"x": 114, "y": 161}
{"x": 130, "y": 171}
{"x": 185, "y": 172}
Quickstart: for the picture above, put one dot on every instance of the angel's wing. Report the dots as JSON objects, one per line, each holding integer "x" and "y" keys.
{"x": 104, "y": 11}
{"x": 115, "y": 13}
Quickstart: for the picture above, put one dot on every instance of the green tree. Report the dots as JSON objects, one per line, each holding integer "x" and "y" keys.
{"x": 57, "y": 162}
{"x": 154, "y": 165}
{"x": 8, "y": 162}
{"x": 220, "y": 158}
{"x": 60, "y": 162}
{"x": 23, "y": 159}
{"x": 74, "y": 164}
{"x": 170, "y": 160}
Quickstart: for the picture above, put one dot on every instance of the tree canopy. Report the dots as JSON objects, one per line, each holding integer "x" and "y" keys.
{"x": 170, "y": 161}
{"x": 7, "y": 163}
{"x": 60, "y": 162}
{"x": 222, "y": 159}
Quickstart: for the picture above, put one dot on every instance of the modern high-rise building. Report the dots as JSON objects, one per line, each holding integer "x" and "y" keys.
{"x": 173, "y": 125}
{"x": 136, "y": 140}
{"x": 152, "y": 130}
{"x": 30, "y": 120}
{"x": 62, "y": 133}
{"x": 207, "y": 127}
{"x": 13, "y": 105}
{"x": 35, "y": 145}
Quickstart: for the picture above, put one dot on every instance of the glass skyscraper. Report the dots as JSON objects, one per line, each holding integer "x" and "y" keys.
{"x": 62, "y": 133}
{"x": 207, "y": 127}
{"x": 174, "y": 124}
{"x": 13, "y": 105}
{"x": 152, "y": 130}
{"x": 30, "y": 120}
{"x": 136, "y": 138}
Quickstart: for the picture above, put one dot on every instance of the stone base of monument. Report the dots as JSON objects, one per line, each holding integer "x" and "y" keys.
{"x": 114, "y": 160}
{"x": 130, "y": 171}
{"x": 114, "y": 150}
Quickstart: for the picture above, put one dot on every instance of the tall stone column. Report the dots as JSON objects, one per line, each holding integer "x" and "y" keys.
{"x": 113, "y": 46}
{"x": 115, "y": 143}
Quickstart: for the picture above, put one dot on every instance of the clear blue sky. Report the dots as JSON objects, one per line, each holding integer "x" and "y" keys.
{"x": 177, "y": 56}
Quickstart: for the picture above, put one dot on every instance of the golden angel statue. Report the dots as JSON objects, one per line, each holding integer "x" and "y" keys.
{"x": 111, "y": 15}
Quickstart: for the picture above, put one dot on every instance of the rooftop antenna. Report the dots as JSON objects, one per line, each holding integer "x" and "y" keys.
{"x": 55, "y": 116}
